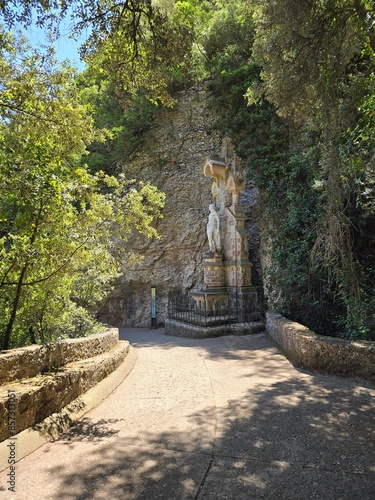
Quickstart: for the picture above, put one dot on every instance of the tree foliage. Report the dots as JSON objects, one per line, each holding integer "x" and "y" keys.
{"x": 136, "y": 44}
{"x": 307, "y": 137}
{"x": 60, "y": 225}
{"x": 317, "y": 62}
{"x": 129, "y": 73}
{"x": 123, "y": 118}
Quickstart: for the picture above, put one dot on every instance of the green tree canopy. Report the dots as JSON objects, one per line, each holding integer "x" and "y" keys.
{"x": 59, "y": 224}
{"x": 307, "y": 69}
{"x": 136, "y": 44}
{"x": 317, "y": 61}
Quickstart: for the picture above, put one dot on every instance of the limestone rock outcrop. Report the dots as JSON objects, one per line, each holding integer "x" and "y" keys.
{"x": 171, "y": 158}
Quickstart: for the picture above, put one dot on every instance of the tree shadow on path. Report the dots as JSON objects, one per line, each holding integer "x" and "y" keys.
{"x": 300, "y": 437}
{"x": 292, "y": 441}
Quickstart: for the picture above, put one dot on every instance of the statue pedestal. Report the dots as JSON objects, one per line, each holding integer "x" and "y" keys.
{"x": 214, "y": 273}
{"x": 214, "y": 294}
{"x": 211, "y": 302}
{"x": 239, "y": 276}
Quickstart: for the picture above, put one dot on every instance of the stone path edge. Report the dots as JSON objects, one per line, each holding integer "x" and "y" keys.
{"x": 34, "y": 437}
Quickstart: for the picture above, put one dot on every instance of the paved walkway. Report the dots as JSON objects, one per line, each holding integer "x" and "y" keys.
{"x": 226, "y": 418}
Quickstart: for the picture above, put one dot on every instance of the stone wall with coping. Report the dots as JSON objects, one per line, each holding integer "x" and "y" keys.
{"x": 31, "y": 361}
{"x": 330, "y": 355}
{"x": 51, "y": 377}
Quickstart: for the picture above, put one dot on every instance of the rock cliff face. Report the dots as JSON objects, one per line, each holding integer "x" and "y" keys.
{"x": 171, "y": 158}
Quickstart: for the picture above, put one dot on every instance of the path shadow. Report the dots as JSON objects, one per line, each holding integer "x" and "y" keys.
{"x": 296, "y": 439}
{"x": 86, "y": 430}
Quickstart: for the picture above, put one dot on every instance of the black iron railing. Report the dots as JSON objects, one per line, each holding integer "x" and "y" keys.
{"x": 183, "y": 307}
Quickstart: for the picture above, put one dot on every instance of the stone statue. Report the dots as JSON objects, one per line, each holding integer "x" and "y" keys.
{"x": 213, "y": 230}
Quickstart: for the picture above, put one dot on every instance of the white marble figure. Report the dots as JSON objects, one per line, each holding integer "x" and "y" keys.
{"x": 213, "y": 230}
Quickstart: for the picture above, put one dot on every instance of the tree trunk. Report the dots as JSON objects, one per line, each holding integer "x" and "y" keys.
{"x": 12, "y": 318}
{"x": 16, "y": 301}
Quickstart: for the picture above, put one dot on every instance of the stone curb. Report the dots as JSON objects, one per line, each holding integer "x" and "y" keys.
{"x": 34, "y": 437}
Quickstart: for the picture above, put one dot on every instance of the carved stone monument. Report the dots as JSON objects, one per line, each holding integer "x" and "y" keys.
{"x": 227, "y": 270}
{"x": 227, "y": 301}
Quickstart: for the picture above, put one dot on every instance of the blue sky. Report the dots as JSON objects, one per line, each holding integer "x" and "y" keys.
{"x": 65, "y": 47}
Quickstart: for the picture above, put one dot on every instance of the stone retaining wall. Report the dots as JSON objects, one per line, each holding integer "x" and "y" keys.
{"x": 27, "y": 400}
{"x": 33, "y": 360}
{"x": 326, "y": 354}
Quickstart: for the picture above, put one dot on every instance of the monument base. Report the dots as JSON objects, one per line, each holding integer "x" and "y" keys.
{"x": 181, "y": 329}
{"x": 214, "y": 271}
{"x": 211, "y": 300}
